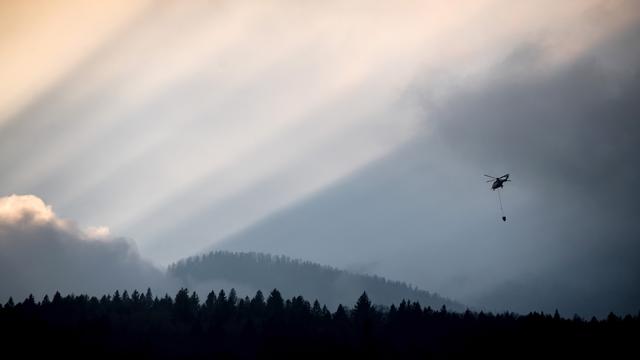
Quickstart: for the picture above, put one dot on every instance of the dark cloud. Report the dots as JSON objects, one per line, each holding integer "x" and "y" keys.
{"x": 41, "y": 254}
{"x": 573, "y": 130}
{"x": 569, "y": 135}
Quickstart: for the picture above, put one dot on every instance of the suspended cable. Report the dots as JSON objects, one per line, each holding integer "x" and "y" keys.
{"x": 504, "y": 218}
{"x": 497, "y": 184}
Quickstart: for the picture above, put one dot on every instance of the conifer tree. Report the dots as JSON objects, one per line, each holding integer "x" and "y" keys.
{"x": 275, "y": 304}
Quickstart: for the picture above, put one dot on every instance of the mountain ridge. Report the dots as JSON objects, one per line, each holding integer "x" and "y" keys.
{"x": 252, "y": 271}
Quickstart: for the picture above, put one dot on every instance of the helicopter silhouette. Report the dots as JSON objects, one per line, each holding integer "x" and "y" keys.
{"x": 498, "y": 181}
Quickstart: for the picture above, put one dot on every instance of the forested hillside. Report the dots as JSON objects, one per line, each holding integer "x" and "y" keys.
{"x": 249, "y": 272}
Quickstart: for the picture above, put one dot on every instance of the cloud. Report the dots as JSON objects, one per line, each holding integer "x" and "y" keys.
{"x": 204, "y": 118}
{"x": 28, "y": 208}
{"x": 246, "y": 105}
{"x": 98, "y": 232}
{"x": 569, "y": 137}
{"x": 41, "y": 253}
{"x": 568, "y": 134}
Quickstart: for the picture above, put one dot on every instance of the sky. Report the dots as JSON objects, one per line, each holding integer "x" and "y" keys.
{"x": 352, "y": 133}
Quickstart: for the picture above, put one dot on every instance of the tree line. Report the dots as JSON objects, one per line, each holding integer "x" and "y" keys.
{"x": 139, "y": 324}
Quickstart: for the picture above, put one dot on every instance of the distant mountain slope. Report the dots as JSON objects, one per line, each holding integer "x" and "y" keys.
{"x": 250, "y": 271}
{"x": 396, "y": 218}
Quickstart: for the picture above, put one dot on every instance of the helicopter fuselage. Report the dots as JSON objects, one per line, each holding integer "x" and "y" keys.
{"x": 498, "y": 181}
{"x": 497, "y": 184}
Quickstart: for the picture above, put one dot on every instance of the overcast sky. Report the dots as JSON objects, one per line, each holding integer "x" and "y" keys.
{"x": 352, "y": 133}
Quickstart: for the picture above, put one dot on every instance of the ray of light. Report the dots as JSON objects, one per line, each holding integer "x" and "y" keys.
{"x": 225, "y": 96}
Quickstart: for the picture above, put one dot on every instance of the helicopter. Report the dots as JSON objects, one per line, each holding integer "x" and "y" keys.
{"x": 498, "y": 181}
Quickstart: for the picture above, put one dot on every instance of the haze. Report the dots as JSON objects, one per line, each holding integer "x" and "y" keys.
{"x": 354, "y": 134}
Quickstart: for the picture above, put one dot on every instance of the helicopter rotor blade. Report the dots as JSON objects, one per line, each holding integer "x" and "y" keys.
{"x": 493, "y": 177}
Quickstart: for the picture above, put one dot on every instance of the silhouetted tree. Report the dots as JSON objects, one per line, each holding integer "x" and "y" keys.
{"x": 185, "y": 307}
{"x": 222, "y": 298}
{"x": 316, "y": 310}
{"x": 340, "y": 316}
{"x": 181, "y": 327}
{"x": 125, "y": 297}
{"x": 363, "y": 308}
{"x": 210, "y": 303}
{"x": 275, "y": 303}
{"x": 29, "y": 302}
{"x": 257, "y": 304}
